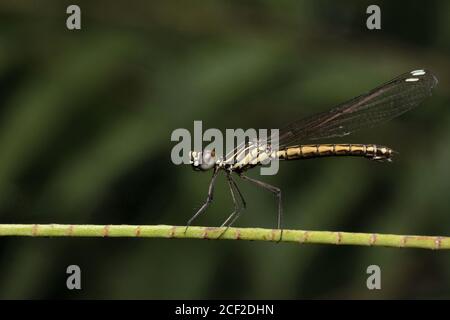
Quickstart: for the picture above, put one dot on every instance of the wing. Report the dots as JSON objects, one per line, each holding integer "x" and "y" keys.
{"x": 370, "y": 109}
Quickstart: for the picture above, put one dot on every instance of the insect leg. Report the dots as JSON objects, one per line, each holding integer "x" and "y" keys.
{"x": 276, "y": 191}
{"x": 208, "y": 199}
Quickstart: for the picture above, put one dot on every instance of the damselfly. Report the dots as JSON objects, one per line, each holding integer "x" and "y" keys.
{"x": 367, "y": 110}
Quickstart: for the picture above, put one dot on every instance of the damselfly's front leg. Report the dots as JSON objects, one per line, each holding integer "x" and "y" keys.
{"x": 276, "y": 191}
{"x": 208, "y": 199}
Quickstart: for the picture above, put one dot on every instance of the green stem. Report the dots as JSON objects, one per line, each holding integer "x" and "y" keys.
{"x": 257, "y": 234}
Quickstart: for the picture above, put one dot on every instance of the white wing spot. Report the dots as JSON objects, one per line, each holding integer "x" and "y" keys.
{"x": 412, "y": 79}
{"x": 418, "y": 72}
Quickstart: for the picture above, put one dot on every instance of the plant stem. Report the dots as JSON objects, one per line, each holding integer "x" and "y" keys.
{"x": 257, "y": 234}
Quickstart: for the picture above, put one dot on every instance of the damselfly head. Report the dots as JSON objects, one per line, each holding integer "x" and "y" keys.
{"x": 203, "y": 160}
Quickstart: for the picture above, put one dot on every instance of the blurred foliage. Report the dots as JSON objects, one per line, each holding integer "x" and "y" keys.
{"x": 86, "y": 118}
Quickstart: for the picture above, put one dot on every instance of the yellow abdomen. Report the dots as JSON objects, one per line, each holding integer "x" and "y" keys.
{"x": 307, "y": 151}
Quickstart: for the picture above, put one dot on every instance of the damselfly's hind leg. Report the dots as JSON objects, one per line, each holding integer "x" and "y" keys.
{"x": 276, "y": 191}
{"x": 238, "y": 207}
{"x": 208, "y": 199}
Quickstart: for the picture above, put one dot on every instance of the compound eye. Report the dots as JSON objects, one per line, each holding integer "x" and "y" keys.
{"x": 209, "y": 159}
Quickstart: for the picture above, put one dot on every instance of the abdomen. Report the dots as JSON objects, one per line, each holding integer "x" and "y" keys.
{"x": 309, "y": 151}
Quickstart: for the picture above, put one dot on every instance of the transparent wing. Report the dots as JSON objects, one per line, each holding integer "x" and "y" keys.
{"x": 370, "y": 109}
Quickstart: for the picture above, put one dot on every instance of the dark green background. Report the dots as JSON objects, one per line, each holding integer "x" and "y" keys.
{"x": 85, "y": 124}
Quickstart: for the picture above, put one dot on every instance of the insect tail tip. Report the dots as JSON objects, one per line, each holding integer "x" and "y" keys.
{"x": 392, "y": 155}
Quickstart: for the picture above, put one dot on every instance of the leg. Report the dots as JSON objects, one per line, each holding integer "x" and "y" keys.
{"x": 208, "y": 199}
{"x": 276, "y": 191}
{"x": 244, "y": 204}
{"x": 237, "y": 208}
